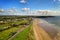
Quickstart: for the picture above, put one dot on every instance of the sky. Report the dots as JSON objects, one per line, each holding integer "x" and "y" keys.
{"x": 17, "y": 5}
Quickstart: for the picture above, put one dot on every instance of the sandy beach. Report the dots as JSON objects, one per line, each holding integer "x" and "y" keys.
{"x": 45, "y": 31}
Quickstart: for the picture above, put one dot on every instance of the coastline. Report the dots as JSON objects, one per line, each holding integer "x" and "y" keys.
{"x": 45, "y": 31}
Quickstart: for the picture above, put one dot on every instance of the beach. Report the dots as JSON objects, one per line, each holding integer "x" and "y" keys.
{"x": 45, "y": 31}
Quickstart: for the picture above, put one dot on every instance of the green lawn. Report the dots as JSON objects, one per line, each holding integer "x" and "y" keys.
{"x": 19, "y": 22}
{"x": 4, "y": 25}
{"x": 4, "y": 35}
{"x": 26, "y": 34}
{"x": 15, "y": 22}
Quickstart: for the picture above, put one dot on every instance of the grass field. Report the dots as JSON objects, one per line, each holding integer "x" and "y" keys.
{"x": 26, "y": 34}
{"x": 4, "y": 35}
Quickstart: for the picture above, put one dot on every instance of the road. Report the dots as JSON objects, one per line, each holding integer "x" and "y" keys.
{"x": 45, "y": 31}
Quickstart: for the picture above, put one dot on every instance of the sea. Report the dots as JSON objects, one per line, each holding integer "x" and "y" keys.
{"x": 53, "y": 20}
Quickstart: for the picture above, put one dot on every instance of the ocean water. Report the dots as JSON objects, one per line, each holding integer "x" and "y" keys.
{"x": 53, "y": 20}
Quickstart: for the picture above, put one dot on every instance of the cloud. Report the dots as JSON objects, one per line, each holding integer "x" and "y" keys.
{"x": 25, "y": 9}
{"x": 43, "y": 12}
{"x": 56, "y": 0}
{"x": 1, "y": 10}
{"x": 23, "y": 1}
{"x": 59, "y": 0}
{"x": 10, "y": 11}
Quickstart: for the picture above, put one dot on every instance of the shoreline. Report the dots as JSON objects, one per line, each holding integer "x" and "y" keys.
{"x": 48, "y": 32}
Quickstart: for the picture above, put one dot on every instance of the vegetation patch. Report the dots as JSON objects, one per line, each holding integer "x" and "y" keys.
{"x": 9, "y": 25}
{"x": 4, "y": 35}
{"x": 26, "y": 34}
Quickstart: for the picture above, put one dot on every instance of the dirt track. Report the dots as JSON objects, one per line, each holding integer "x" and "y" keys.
{"x": 44, "y": 33}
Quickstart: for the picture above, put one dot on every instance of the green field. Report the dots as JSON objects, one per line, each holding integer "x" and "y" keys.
{"x": 10, "y": 28}
{"x": 4, "y": 35}
{"x": 26, "y": 34}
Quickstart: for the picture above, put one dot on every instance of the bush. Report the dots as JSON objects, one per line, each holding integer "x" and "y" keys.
{"x": 14, "y": 25}
{"x": 11, "y": 34}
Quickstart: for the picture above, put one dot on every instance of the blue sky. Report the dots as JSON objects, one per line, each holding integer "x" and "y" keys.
{"x": 32, "y": 4}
